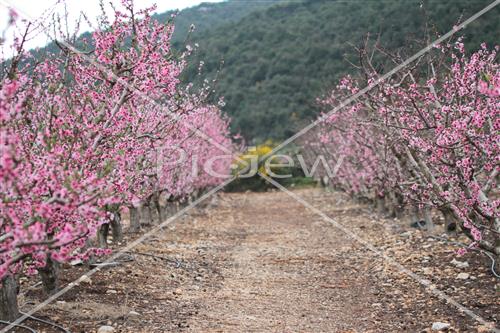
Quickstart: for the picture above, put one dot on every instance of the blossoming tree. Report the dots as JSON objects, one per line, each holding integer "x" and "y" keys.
{"x": 79, "y": 133}
{"x": 427, "y": 137}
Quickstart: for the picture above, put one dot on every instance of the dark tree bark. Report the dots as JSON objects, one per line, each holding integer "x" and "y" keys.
{"x": 9, "y": 310}
{"x": 116, "y": 226}
{"x": 161, "y": 212}
{"x": 380, "y": 205}
{"x": 49, "y": 275}
{"x": 398, "y": 206}
{"x": 102, "y": 236}
{"x": 414, "y": 214}
{"x": 155, "y": 210}
{"x": 169, "y": 210}
{"x": 450, "y": 224}
{"x": 145, "y": 214}
{"x": 153, "y": 214}
{"x": 164, "y": 213}
{"x": 135, "y": 224}
{"x": 429, "y": 224}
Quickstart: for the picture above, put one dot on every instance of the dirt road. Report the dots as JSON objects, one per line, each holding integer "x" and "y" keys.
{"x": 260, "y": 262}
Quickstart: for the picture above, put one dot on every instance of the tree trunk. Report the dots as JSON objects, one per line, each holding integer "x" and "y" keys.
{"x": 380, "y": 205}
{"x": 181, "y": 206}
{"x": 164, "y": 213}
{"x": 429, "y": 224}
{"x": 400, "y": 209}
{"x": 9, "y": 310}
{"x": 116, "y": 226}
{"x": 102, "y": 236}
{"x": 450, "y": 224}
{"x": 145, "y": 214}
{"x": 414, "y": 214}
{"x": 153, "y": 214}
{"x": 169, "y": 210}
{"x": 154, "y": 208}
{"x": 161, "y": 212}
{"x": 390, "y": 206}
{"x": 49, "y": 275}
{"x": 135, "y": 224}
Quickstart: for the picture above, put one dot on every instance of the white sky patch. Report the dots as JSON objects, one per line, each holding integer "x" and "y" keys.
{"x": 91, "y": 8}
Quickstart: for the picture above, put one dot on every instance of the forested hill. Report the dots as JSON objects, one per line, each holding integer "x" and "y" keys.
{"x": 208, "y": 16}
{"x": 278, "y": 58}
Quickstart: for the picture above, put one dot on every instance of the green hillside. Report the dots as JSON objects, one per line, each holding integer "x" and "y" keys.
{"x": 208, "y": 16}
{"x": 277, "y": 60}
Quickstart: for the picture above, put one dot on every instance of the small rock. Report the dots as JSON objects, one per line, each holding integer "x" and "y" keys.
{"x": 405, "y": 234}
{"x": 111, "y": 291}
{"x": 134, "y": 314}
{"x": 177, "y": 291}
{"x": 85, "y": 279}
{"x": 106, "y": 329}
{"x": 460, "y": 264}
{"x": 463, "y": 276}
{"x": 427, "y": 270}
{"x": 438, "y": 326}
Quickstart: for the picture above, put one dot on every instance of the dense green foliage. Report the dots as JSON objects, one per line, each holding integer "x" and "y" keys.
{"x": 277, "y": 60}
{"x": 208, "y": 16}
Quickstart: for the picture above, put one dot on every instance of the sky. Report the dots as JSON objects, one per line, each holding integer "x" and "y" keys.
{"x": 35, "y": 8}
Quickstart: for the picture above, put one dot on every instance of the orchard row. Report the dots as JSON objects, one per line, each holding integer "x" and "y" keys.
{"x": 82, "y": 134}
{"x": 425, "y": 140}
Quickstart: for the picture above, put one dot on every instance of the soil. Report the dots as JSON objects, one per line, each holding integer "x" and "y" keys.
{"x": 261, "y": 262}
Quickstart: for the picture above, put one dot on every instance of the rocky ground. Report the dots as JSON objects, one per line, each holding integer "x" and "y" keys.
{"x": 261, "y": 262}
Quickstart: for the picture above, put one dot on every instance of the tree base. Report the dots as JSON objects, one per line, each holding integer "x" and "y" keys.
{"x": 9, "y": 310}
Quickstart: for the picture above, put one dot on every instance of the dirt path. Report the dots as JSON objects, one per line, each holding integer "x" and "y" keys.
{"x": 260, "y": 262}
{"x": 282, "y": 272}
